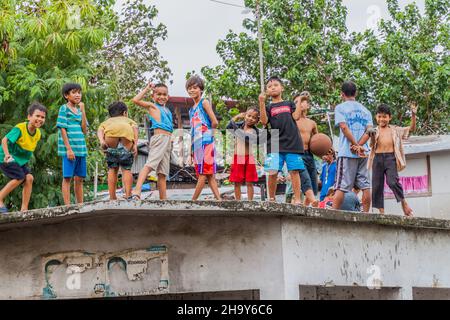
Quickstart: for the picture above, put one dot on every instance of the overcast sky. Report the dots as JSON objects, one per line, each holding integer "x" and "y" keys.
{"x": 195, "y": 26}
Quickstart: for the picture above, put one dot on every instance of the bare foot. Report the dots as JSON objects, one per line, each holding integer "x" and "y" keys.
{"x": 315, "y": 204}
{"x": 407, "y": 210}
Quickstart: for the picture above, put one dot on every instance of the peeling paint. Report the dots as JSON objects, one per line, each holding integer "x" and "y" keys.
{"x": 133, "y": 262}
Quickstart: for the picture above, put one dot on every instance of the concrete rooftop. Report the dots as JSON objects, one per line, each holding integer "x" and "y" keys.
{"x": 49, "y": 216}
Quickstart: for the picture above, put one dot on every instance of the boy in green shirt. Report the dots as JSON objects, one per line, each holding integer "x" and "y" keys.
{"x": 16, "y": 151}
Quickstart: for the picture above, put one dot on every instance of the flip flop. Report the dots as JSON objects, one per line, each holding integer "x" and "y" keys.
{"x": 134, "y": 197}
{"x": 3, "y": 210}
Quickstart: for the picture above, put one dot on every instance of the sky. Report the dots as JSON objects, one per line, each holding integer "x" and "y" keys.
{"x": 195, "y": 26}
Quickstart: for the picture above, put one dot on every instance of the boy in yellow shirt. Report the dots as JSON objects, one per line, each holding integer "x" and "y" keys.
{"x": 118, "y": 137}
{"x": 15, "y": 153}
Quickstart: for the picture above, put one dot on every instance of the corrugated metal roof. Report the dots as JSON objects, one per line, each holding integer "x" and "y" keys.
{"x": 426, "y": 144}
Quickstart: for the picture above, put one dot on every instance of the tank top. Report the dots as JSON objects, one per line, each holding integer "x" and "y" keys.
{"x": 166, "y": 122}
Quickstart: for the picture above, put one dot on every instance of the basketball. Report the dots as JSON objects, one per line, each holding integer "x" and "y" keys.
{"x": 320, "y": 144}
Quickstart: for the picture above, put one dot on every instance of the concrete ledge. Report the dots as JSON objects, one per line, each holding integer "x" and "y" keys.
{"x": 173, "y": 208}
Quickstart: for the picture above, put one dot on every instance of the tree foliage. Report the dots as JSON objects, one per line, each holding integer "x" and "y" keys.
{"x": 308, "y": 45}
{"x": 44, "y": 44}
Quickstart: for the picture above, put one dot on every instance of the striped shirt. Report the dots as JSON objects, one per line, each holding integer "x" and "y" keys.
{"x": 72, "y": 123}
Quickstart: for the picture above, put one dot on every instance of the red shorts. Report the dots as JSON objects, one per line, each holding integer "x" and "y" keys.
{"x": 207, "y": 166}
{"x": 243, "y": 169}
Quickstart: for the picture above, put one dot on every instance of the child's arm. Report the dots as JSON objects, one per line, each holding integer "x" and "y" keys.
{"x": 70, "y": 154}
{"x": 211, "y": 115}
{"x": 262, "y": 109}
{"x": 101, "y": 138}
{"x": 83, "y": 118}
{"x": 6, "y": 150}
{"x": 138, "y": 99}
{"x": 136, "y": 138}
{"x": 238, "y": 117}
{"x": 315, "y": 130}
{"x": 297, "y": 113}
{"x": 413, "y": 108}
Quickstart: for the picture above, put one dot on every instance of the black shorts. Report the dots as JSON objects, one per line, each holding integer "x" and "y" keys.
{"x": 13, "y": 171}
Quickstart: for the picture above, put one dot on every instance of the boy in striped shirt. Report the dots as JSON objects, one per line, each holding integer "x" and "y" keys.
{"x": 72, "y": 127}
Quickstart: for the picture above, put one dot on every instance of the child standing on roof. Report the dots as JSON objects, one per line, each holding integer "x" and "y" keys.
{"x": 16, "y": 151}
{"x": 72, "y": 128}
{"x": 203, "y": 122}
{"x": 161, "y": 141}
{"x": 118, "y": 137}
{"x": 387, "y": 157}
{"x": 243, "y": 168}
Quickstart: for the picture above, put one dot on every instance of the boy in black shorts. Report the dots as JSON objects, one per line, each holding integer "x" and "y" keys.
{"x": 16, "y": 151}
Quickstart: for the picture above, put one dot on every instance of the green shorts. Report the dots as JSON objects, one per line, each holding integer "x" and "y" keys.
{"x": 119, "y": 157}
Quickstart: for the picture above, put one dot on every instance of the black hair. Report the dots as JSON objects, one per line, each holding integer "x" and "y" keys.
{"x": 383, "y": 108}
{"x": 274, "y": 78}
{"x": 69, "y": 87}
{"x": 253, "y": 109}
{"x": 349, "y": 89}
{"x": 195, "y": 80}
{"x": 305, "y": 94}
{"x": 161, "y": 85}
{"x": 36, "y": 106}
{"x": 117, "y": 109}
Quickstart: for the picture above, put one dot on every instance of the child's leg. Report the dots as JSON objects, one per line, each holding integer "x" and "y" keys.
{"x": 406, "y": 209}
{"x": 250, "y": 191}
{"x": 79, "y": 173}
{"x": 273, "y": 181}
{"x": 112, "y": 182}
{"x": 66, "y": 190}
{"x": 214, "y": 187}
{"x": 199, "y": 187}
{"x": 394, "y": 184}
{"x": 378, "y": 183}
{"x": 26, "y": 193}
{"x": 295, "y": 178}
{"x": 143, "y": 175}
{"x": 366, "y": 200}
{"x": 338, "y": 199}
{"x": 78, "y": 186}
{"x": 162, "y": 186}
{"x": 10, "y": 186}
{"x": 237, "y": 191}
{"x": 127, "y": 181}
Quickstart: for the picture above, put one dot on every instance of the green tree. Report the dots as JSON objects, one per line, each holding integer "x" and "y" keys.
{"x": 307, "y": 44}
{"x": 44, "y": 44}
{"x": 411, "y": 63}
{"x": 131, "y": 55}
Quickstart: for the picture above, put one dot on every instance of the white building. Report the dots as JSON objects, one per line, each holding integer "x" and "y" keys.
{"x": 426, "y": 179}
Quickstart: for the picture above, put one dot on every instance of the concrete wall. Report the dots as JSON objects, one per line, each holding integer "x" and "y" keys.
{"x": 113, "y": 249}
{"x": 435, "y": 206}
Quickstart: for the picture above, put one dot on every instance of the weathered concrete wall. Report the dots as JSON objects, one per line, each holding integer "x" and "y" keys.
{"x": 118, "y": 248}
{"x": 437, "y": 205}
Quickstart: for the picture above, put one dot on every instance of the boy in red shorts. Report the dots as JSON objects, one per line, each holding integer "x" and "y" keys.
{"x": 243, "y": 168}
{"x": 203, "y": 122}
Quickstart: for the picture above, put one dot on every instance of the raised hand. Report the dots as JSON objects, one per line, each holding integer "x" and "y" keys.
{"x": 413, "y": 107}
{"x": 262, "y": 97}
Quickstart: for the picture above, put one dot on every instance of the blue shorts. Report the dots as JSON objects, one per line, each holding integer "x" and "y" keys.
{"x": 75, "y": 168}
{"x": 275, "y": 162}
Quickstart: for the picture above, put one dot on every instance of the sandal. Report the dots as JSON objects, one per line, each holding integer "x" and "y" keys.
{"x": 134, "y": 197}
{"x": 4, "y": 210}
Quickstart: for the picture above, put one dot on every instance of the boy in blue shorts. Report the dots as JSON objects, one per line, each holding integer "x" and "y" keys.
{"x": 15, "y": 153}
{"x": 72, "y": 127}
{"x": 282, "y": 116}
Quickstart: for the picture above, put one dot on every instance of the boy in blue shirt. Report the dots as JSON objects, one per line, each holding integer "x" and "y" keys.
{"x": 328, "y": 174}
{"x": 161, "y": 142}
{"x": 354, "y": 120}
{"x": 72, "y": 128}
